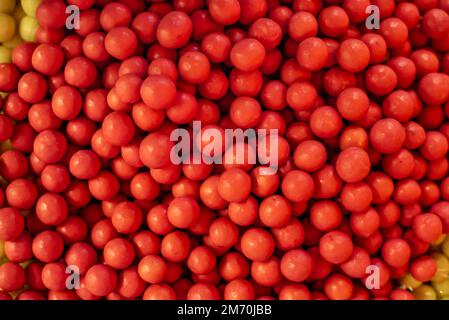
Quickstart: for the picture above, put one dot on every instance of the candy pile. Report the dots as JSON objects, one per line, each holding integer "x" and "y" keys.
{"x": 17, "y": 24}
{"x": 438, "y": 287}
{"x": 94, "y": 205}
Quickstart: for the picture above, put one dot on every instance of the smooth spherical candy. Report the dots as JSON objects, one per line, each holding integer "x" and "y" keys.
{"x": 427, "y": 227}
{"x": 120, "y": 42}
{"x": 126, "y": 217}
{"x": 394, "y": 31}
{"x": 310, "y": 155}
{"x": 387, "y": 135}
{"x": 51, "y": 209}
{"x": 174, "y": 30}
{"x": 333, "y": 21}
{"x": 118, "y": 253}
{"x": 32, "y": 87}
{"x": 433, "y": 88}
{"x": 183, "y": 212}
{"x": 194, "y": 67}
{"x": 335, "y": 247}
{"x": 11, "y": 224}
{"x": 257, "y": 244}
{"x": 296, "y": 265}
{"x": 352, "y": 104}
{"x": 297, "y": 186}
{"x": 356, "y": 196}
{"x": 302, "y": 25}
{"x": 357, "y": 264}
{"x": 353, "y": 55}
{"x": 175, "y": 246}
{"x": 380, "y": 79}
{"x": 225, "y": 12}
{"x": 338, "y": 287}
{"x": 47, "y": 59}
{"x": 84, "y": 164}
{"x": 47, "y": 246}
{"x": 100, "y": 280}
{"x": 325, "y": 122}
{"x": 231, "y": 178}
{"x": 301, "y": 96}
{"x": 353, "y": 164}
{"x": 50, "y": 146}
{"x": 201, "y": 260}
{"x": 312, "y": 54}
{"x": 55, "y": 178}
{"x": 66, "y": 102}
{"x": 115, "y": 15}
{"x": 247, "y": 54}
{"x": 396, "y": 252}
{"x": 80, "y": 72}
{"x": 275, "y": 211}
{"x": 118, "y": 128}
{"x": 245, "y": 112}
{"x": 21, "y": 194}
{"x": 423, "y": 268}
{"x": 325, "y": 215}
{"x": 12, "y": 277}
{"x": 155, "y": 150}
{"x": 158, "y": 92}
{"x": 51, "y": 14}
{"x": 82, "y": 255}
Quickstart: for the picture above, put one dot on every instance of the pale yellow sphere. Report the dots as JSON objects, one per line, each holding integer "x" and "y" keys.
{"x": 7, "y": 6}
{"x": 442, "y": 267}
{"x": 425, "y": 292}
{"x": 7, "y": 27}
{"x": 5, "y": 54}
{"x": 27, "y": 29}
{"x": 30, "y": 6}
{"x": 409, "y": 282}
{"x": 442, "y": 288}
{"x": 13, "y": 42}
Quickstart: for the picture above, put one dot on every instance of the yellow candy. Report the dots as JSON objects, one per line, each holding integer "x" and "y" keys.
{"x": 30, "y": 6}
{"x": 445, "y": 247}
{"x": 7, "y": 6}
{"x": 27, "y": 29}
{"x": 442, "y": 267}
{"x": 5, "y": 54}
{"x": 425, "y": 292}
{"x": 14, "y": 42}
{"x": 442, "y": 288}
{"x": 18, "y": 13}
{"x": 408, "y": 282}
{"x": 7, "y": 27}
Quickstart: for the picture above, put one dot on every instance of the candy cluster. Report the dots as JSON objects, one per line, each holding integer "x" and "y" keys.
{"x": 93, "y": 205}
